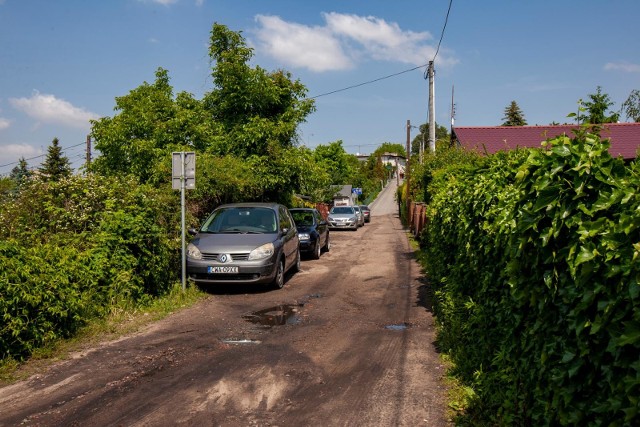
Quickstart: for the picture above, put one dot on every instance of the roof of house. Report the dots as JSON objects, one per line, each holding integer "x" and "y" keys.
{"x": 625, "y": 137}
{"x": 342, "y": 190}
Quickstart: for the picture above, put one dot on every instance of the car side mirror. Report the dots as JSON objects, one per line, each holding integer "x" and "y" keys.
{"x": 192, "y": 231}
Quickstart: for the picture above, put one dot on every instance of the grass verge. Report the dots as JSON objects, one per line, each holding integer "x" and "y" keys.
{"x": 122, "y": 320}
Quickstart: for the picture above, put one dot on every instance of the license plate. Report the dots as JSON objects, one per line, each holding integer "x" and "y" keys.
{"x": 227, "y": 270}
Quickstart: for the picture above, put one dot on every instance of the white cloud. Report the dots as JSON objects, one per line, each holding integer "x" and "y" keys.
{"x": 623, "y": 66}
{"x": 301, "y": 46}
{"x": 49, "y": 109}
{"x": 343, "y": 41}
{"x": 4, "y": 123}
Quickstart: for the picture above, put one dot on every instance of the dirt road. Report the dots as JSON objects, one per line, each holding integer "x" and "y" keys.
{"x": 347, "y": 342}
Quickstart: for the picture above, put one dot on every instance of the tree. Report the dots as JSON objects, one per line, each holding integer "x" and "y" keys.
{"x": 631, "y": 106}
{"x": 21, "y": 172}
{"x": 258, "y": 111}
{"x": 56, "y": 166}
{"x": 513, "y": 116}
{"x": 442, "y": 134}
{"x": 596, "y": 109}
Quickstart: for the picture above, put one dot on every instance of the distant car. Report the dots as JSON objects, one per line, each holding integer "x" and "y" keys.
{"x": 360, "y": 216}
{"x": 244, "y": 243}
{"x": 367, "y": 213}
{"x": 313, "y": 231}
{"x": 343, "y": 217}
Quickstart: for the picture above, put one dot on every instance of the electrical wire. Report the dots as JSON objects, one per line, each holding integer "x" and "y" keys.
{"x": 41, "y": 155}
{"x": 443, "y": 28}
{"x": 368, "y": 82}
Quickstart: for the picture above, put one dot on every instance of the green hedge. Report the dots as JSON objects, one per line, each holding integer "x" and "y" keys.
{"x": 534, "y": 259}
{"x": 72, "y": 250}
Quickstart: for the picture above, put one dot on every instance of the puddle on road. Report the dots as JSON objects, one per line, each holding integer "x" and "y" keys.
{"x": 285, "y": 314}
{"x": 398, "y": 327}
{"x": 240, "y": 341}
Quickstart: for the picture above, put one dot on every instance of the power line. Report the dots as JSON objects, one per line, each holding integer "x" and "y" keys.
{"x": 368, "y": 82}
{"x": 41, "y": 155}
{"x": 443, "y": 28}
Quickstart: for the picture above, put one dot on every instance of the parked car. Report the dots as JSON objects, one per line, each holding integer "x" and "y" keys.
{"x": 244, "y": 242}
{"x": 341, "y": 217}
{"x": 313, "y": 231}
{"x": 367, "y": 213}
{"x": 360, "y": 216}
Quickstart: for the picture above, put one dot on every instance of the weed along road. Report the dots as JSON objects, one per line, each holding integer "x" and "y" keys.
{"x": 347, "y": 342}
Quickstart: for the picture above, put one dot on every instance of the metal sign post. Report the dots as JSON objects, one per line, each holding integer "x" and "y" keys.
{"x": 183, "y": 171}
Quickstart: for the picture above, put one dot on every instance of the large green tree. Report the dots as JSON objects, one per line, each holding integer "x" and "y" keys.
{"x": 631, "y": 107}
{"x": 258, "y": 111}
{"x": 56, "y": 165}
{"x": 250, "y": 114}
{"x": 513, "y": 115}
{"x": 596, "y": 109}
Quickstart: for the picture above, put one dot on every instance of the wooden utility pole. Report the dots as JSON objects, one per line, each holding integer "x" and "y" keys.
{"x": 88, "y": 150}
{"x": 432, "y": 113}
{"x": 406, "y": 168}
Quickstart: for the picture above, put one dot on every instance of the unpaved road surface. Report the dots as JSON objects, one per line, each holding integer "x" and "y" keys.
{"x": 347, "y": 342}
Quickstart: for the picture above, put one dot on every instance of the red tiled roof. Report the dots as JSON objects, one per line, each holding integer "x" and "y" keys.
{"x": 625, "y": 137}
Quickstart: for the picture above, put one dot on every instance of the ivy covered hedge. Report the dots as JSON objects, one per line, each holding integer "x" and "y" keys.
{"x": 71, "y": 250}
{"x": 534, "y": 257}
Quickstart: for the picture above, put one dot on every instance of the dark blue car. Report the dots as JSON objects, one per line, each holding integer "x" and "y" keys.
{"x": 313, "y": 231}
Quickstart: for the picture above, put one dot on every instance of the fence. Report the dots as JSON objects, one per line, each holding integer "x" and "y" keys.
{"x": 417, "y": 217}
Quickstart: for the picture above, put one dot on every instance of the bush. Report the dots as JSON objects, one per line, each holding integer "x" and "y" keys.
{"x": 534, "y": 256}
{"x": 72, "y": 250}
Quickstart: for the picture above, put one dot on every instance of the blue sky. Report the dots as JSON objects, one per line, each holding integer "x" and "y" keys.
{"x": 64, "y": 62}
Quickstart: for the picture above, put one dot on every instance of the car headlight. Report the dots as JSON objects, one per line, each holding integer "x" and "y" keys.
{"x": 193, "y": 251}
{"x": 304, "y": 236}
{"x": 329, "y": 218}
{"x": 262, "y": 252}
{"x": 353, "y": 218}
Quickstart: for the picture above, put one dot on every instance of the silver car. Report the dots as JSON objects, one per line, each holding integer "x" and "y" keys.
{"x": 360, "y": 215}
{"x": 244, "y": 243}
{"x": 343, "y": 217}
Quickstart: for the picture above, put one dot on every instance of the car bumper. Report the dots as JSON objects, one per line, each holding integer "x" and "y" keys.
{"x": 248, "y": 272}
{"x": 343, "y": 225}
{"x": 307, "y": 245}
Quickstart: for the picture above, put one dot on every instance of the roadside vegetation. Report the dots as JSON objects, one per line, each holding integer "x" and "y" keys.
{"x": 533, "y": 261}
{"x": 81, "y": 250}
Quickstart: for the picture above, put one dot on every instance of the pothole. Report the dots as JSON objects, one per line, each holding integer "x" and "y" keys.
{"x": 398, "y": 326}
{"x": 285, "y": 314}
{"x": 240, "y": 341}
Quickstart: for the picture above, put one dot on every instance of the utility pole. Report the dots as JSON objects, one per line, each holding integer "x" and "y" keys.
{"x": 453, "y": 118}
{"x": 88, "y": 150}
{"x": 432, "y": 114}
{"x": 406, "y": 168}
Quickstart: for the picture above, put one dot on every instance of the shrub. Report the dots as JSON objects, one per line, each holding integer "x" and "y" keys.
{"x": 534, "y": 255}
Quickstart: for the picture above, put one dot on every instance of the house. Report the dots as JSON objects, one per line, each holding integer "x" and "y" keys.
{"x": 392, "y": 160}
{"x": 625, "y": 137}
{"x": 343, "y": 195}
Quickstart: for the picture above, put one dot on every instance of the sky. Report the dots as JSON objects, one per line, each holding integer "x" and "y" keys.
{"x": 63, "y": 63}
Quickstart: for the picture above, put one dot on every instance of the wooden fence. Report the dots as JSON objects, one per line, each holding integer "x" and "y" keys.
{"x": 417, "y": 217}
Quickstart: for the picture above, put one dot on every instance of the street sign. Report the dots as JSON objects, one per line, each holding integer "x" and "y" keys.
{"x": 189, "y": 171}
{"x": 357, "y": 191}
{"x": 183, "y": 177}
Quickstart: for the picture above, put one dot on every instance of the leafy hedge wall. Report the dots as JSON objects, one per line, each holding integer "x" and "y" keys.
{"x": 73, "y": 249}
{"x": 534, "y": 256}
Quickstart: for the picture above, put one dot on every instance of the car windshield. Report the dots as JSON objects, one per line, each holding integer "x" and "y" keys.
{"x": 302, "y": 218}
{"x": 342, "y": 210}
{"x": 241, "y": 220}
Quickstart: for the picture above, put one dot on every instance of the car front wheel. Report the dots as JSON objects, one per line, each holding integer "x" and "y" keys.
{"x": 278, "y": 281}
{"x": 317, "y": 249}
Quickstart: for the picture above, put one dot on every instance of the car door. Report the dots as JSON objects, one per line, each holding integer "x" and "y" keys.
{"x": 322, "y": 228}
{"x": 290, "y": 241}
